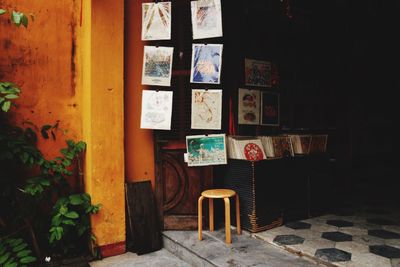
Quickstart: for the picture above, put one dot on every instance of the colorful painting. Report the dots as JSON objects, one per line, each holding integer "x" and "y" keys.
{"x": 156, "y": 110}
{"x": 156, "y": 21}
{"x": 206, "y": 63}
{"x": 205, "y": 150}
{"x": 206, "y": 19}
{"x": 206, "y": 109}
{"x": 157, "y": 65}
{"x": 249, "y": 106}
{"x": 269, "y": 109}
{"x": 257, "y": 73}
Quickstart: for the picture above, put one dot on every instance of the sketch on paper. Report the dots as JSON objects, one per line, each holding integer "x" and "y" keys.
{"x": 206, "y": 19}
{"x": 156, "y": 21}
{"x": 156, "y": 110}
{"x": 257, "y": 73}
{"x": 249, "y": 106}
{"x": 269, "y": 109}
{"x": 206, "y": 109}
{"x": 206, "y": 63}
{"x": 206, "y": 150}
{"x": 157, "y": 65}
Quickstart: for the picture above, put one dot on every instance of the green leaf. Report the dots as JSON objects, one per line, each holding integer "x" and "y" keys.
{"x": 72, "y": 215}
{"x": 11, "y": 264}
{"x": 20, "y": 247}
{"x": 2, "y": 11}
{"x": 11, "y": 96}
{"x": 15, "y": 242}
{"x": 4, "y": 258}
{"x": 68, "y": 222}
{"x": 1, "y": 99}
{"x": 24, "y": 21}
{"x": 6, "y": 106}
{"x": 63, "y": 210}
{"x": 24, "y": 253}
{"x": 66, "y": 162}
{"x": 56, "y": 220}
{"x": 28, "y": 259}
{"x": 16, "y": 17}
{"x": 75, "y": 199}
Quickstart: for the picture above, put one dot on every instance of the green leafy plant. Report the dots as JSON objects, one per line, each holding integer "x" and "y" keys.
{"x": 15, "y": 252}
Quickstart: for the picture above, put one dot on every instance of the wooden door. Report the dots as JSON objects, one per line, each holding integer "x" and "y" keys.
{"x": 178, "y": 187}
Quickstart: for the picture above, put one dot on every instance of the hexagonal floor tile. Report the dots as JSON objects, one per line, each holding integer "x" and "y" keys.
{"x": 333, "y": 254}
{"x": 340, "y": 223}
{"x": 298, "y": 225}
{"x": 385, "y": 251}
{"x": 288, "y": 240}
{"x": 337, "y": 236}
{"x": 383, "y": 234}
{"x": 381, "y": 221}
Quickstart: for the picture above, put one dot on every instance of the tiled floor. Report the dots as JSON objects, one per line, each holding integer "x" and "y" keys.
{"x": 367, "y": 238}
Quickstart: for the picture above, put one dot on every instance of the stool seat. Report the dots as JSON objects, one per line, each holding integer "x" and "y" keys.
{"x": 224, "y": 194}
{"x": 218, "y": 193}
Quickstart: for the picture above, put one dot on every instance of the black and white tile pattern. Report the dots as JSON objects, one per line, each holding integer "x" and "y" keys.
{"x": 346, "y": 238}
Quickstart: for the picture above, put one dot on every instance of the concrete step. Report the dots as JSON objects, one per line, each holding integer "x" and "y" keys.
{"x": 245, "y": 250}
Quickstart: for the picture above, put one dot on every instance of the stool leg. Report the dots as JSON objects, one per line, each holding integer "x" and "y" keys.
{"x": 238, "y": 228}
{"x": 200, "y": 217}
{"x": 211, "y": 213}
{"x": 227, "y": 220}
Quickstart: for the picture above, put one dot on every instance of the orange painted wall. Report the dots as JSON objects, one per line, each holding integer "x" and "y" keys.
{"x": 41, "y": 60}
{"x": 139, "y": 146}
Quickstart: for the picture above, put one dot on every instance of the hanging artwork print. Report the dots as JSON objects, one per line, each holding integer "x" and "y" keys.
{"x": 156, "y": 21}
{"x": 157, "y": 65}
{"x": 257, "y": 73}
{"x": 206, "y": 63}
{"x": 206, "y": 149}
{"x": 156, "y": 110}
{"x": 269, "y": 109}
{"x": 206, "y": 19}
{"x": 206, "y": 109}
{"x": 249, "y": 106}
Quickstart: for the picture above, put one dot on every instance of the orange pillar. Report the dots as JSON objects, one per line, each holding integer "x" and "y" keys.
{"x": 139, "y": 146}
{"x": 100, "y": 58}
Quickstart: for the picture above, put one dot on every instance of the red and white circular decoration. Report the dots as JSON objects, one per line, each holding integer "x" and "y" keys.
{"x": 253, "y": 152}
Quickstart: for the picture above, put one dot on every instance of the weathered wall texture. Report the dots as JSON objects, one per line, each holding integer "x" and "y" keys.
{"x": 71, "y": 70}
{"x": 41, "y": 60}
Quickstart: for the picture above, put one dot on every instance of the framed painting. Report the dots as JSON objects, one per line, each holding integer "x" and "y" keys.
{"x": 203, "y": 150}
{"x": 269, "y": 108}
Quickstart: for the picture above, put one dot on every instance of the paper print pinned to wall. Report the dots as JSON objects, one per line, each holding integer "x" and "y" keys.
{"x": 206, "y": 19}
{"x": 206, "y": 63}
{"x": 257, "y": 73}
{"x": 156, "y": 21}
{"x": 206, "y": 150}
{"x": 156, "y": 110}
{"x": 249, "y": 106}
{"x": 157, "y": 65}
{"x": 206, "y": 109}
{"x": 269, "y": 109}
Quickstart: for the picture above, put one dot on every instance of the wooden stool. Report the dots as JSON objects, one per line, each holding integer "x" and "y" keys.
{"x": 225, "y": 194}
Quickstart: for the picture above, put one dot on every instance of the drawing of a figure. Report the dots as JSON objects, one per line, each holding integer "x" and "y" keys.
{"x": 206, "y": 64}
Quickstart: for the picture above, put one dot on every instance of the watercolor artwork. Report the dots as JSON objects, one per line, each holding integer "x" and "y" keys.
{"x": 156, "y": 110}
{"x": 156, "y": 21}
{"x": 270, "y": 109}
{"x": 249, "y": 106}
{"x": 206, "y": 109}
{"x": 206, "y": 63}
{"x": 205, "y": 150}
{"x": 257, "y": 73}
{"x": 157, "y": 65}
{"x": 206, "y": 19}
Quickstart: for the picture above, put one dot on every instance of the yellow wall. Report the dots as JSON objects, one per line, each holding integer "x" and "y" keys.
{"x": 139, "y": 148}
{"x": 100, "y": 57}
{"x": 72, "y": 70}
{"x": 41, "y": 60}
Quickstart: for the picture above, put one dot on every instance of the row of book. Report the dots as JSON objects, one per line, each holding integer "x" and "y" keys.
{"x": 264, "y": 147}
